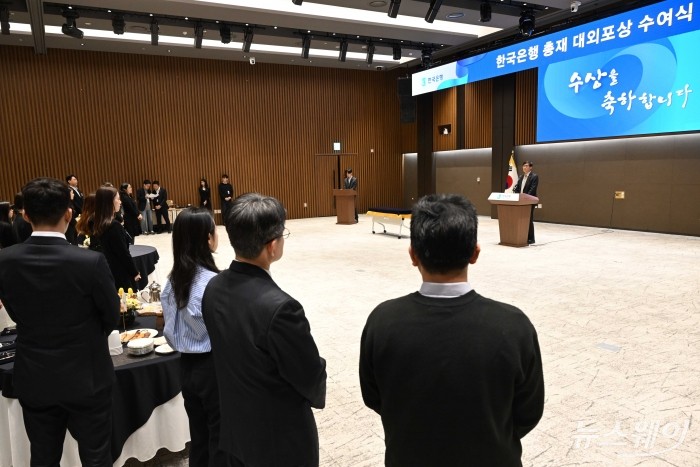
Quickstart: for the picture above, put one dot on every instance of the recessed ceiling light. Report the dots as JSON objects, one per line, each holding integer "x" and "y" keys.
{"x": 455, "y": 15}
{"x": 377, "y": 4}
{"x": 88, "y": 24}
{"x": 138, "y": 28}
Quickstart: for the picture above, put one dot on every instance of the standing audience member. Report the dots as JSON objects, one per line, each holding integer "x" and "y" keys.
{"x": 267, "y": 364}
{"x": 225, "y": 195}
{"x": 194, "y": 240}
{"x": 456, "y": 377}
{"x": 87, "y": 219}
{"x": 7, "y": 237}
{"x": 131, "y": 214}
{"x": 71, "y": 233}
{"x": 160, "y": 205}
{"x": 72, "y": 182}
{"x": 21, "y": 228}
{"x": 110, "y": 238}
{"x": 527, "y": 183}
{"x": 64, "y": 303}
{"x": 143, "y": 199}
{"x": 204, "y": 194}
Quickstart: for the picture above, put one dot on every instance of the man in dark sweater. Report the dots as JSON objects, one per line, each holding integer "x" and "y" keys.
{"x": 456, "y": 377}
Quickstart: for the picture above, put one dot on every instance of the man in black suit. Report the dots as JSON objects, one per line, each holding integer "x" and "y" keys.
{"x": 456, "y": 377}
{"x": 143, "y": 203}
{"x": 527, "y": 183}
{"x": 268, "y": 367}
{"x": 350, "y": 183}
{"x": 78, "y": 197}
{"x": 226, "y": 196}
{"x": 64, "y": 303}
{"x": 160, "y": 205}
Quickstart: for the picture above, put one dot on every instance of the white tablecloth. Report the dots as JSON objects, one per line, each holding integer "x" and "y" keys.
{"x": 167, "y": 428}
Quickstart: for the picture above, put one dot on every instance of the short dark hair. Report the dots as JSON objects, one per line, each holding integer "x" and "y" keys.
{"x": 443, "y": 232}
{"x": 224, "y": 175}
{"x": 68, "y": 177}
{"x": 45, "y": 200}
{"x": 156, "y": 182}
{"x": 349, "y": 170}
{"x": 253, "y": 221}
{"x": 528, "y": 163}
{"x": 18, "y": 205}
{"x": 147, "y": 182}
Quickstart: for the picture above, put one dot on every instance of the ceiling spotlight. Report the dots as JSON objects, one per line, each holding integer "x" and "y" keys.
{"x": 5, "y": 20}
{"x": 396, "y": 52}
{"x": 297, "y": 2}
{"x": 198, "y": 35}
{"x": 433, "y": 10}
{"x": 485, "y": 10}
{"x": 394, "y": 8}
{"x": 343, "y": 50}
{"x": 247, "y": 39}
{"x": 370, "y": 53}
{"x": 154, "y": 31}
{"x": 527, "y": 23}
{"x": 69, "y": 28}
{"x": 118, "y": 23}
{"x": 225, "y": 32}
{"x": 305, "y": 46}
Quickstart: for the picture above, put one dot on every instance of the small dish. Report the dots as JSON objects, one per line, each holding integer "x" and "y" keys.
{"x": 159, "y": 341}
{"x": 164, "y": 349}
{"x": 139, "y": 347}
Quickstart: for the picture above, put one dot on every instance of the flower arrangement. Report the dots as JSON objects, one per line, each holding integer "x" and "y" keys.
{"x": 129, "y": 304}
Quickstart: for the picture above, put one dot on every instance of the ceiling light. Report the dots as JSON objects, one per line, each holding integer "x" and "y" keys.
{"x": 426, "y": 58}
{"x": 247, "y": 39}
{"x": 396, "y": 52}
{"x": 154, "y": 32}
{"x": 527, "y": 23}
{"x": 377, "y": 3}
{"x": 5, "y": 19}
{"x": 370, "y": 53}
{"x": 394, "y": 8}
{"x": 198, "y": 35}
{"x": 69, "y": 28}
{"x": 118, "y": 23}
{"x": 343, "y": 50}
{"x": 305, "y": 46}
{"x": 455, "y": 15}
{"x": 485, "y": 11}
{"x": 225, "y": 33}
{"x": 433, "y": 10}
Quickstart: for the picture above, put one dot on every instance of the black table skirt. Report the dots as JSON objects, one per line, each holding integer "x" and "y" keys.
{"x": 142, "y": 384}
{"x": 145, "y": 259}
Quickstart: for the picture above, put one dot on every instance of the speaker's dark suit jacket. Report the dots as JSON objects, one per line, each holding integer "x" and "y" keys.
{"x": 268, "y": 367}
{"x": 530, "y": 186}
{"x": 350, "y": 183}
{"x": 64, "y": 303}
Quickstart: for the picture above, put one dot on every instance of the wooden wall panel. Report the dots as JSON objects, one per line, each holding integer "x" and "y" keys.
{"x": 445, "y": 113}
{"x": 120, "y": 117}
{"x": 479, "y": 109}
{"x": 525, "y": 107}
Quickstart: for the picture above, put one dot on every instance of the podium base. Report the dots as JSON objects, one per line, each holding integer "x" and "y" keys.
{"x": 346, "y": 223}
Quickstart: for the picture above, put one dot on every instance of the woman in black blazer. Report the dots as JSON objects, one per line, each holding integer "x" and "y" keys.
{"x": 110, "y": 238}
{"x": 204, "y": 194}
{"x": 132, "y": 216}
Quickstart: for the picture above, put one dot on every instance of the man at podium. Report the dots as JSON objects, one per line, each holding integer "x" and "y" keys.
{"x": 527, "y": 183}
{"x": 350, "y": 183}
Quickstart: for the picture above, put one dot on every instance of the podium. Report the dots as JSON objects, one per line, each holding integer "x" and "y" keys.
{"x": 345, "y": 206}
{"x": 514, "y": 211}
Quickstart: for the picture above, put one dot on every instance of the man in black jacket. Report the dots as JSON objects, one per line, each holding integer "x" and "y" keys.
{"x": 64, "y": 303}
{"x": 456, "y": 377}
{"x": 160, "y": 206}
{"x": 527, "y": 184}
{"x": 225, "y": 196}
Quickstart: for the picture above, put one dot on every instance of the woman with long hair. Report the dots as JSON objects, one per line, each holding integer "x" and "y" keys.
{"x": 194, "y": 240}
{"x": 7, "y": 237}
{"x": 110, "y": 238}
{"x": 86, "y": 219}
{"x": 131, "y": 214}
{"x": 204, "y": 194}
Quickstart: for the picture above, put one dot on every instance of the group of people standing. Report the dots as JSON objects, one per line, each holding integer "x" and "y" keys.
{"x": 225, "y": 190}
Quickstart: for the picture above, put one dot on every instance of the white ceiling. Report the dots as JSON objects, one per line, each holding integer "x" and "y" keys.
{"x": 278, "y": 27}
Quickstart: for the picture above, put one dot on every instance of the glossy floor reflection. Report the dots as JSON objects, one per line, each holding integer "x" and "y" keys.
{"x": 617, "y": 312}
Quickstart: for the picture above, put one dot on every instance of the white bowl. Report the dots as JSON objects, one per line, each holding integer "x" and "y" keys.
{"x": 139, "y": 347}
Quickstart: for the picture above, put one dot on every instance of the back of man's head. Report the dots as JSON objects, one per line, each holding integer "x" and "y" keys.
{"x": 443, "y": 232}
{"x": 45, "y": 200}
{"x": 253, "y": 221}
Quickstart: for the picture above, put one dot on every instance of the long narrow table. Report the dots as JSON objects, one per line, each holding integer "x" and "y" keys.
{"x": 148, "y": 410}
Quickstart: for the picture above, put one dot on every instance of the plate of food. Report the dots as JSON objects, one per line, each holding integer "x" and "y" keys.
{"x": 137, "y": 334}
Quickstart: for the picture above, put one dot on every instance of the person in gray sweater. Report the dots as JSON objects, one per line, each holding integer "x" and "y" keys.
{"x": 456, "y": 377}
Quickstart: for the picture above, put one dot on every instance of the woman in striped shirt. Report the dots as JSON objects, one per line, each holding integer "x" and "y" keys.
{"x": 194, "y": 240}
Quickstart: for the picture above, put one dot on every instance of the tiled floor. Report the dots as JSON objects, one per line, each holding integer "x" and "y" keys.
{"x": 617, "y": 312}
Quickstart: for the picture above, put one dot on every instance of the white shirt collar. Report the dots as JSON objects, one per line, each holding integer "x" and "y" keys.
{"x": 48, "y": 234}
{"x": 445, "y": 290}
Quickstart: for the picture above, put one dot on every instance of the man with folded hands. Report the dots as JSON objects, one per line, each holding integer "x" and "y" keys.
{"x": 62, "y": 299}
{"x": 456, "y": 377}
